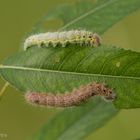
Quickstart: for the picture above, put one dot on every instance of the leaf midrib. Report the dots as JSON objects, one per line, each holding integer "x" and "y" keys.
{"x": 67, "y": 72}
{"x": 87, "y": 14}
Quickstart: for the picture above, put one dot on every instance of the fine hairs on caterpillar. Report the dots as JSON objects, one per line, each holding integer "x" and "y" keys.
{"x": 78, "y": 37}
{"x": 74, "y": 98}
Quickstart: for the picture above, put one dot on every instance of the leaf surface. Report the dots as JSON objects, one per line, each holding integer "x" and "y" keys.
{"x": 77, "y": 123}
{"x": 57, "y": 70}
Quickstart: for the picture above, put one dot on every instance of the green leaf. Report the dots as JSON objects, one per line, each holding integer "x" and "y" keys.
{"x": 77, "y": 123}
{"x": 97, "y": 16}
{"x": 62, "y": 69}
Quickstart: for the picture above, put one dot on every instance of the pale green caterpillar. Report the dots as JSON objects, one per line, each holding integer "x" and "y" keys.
{"x": 79, "y": 37}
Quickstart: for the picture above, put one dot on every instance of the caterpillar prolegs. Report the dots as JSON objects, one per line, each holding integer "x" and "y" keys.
{"x": 74, "y": 98}
{"x": 78, "y": 37}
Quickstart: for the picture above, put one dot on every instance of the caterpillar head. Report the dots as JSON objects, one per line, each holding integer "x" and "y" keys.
{"x": 103, "y": 91}
{"x": 95, "y": 39}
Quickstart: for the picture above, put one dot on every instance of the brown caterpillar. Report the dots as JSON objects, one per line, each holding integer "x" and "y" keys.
{"x": 74, "y": 98}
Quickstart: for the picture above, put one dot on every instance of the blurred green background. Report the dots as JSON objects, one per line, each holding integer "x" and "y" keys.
{"x": 18, "y": 119}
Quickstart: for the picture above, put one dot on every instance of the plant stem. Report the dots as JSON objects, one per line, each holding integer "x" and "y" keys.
{"x": 3, "y": 90}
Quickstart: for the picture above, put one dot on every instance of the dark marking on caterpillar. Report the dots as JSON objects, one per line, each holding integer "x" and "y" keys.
{"x": 74, "y": 98}
{"x": 80, "y": 37}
